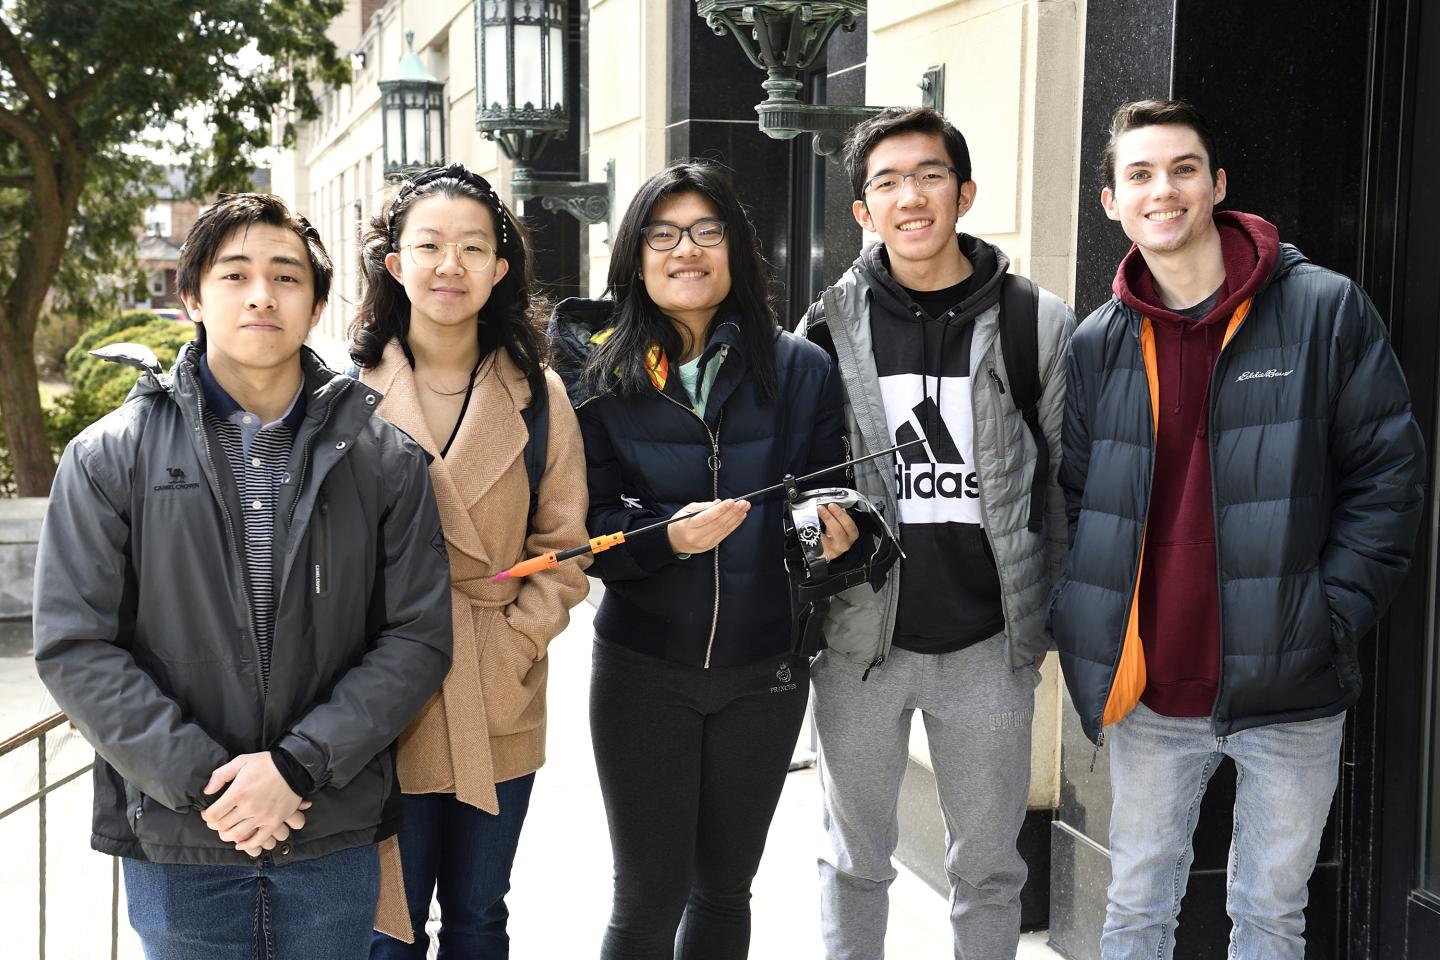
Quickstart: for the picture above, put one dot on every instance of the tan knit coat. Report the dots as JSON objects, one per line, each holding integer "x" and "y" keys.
{"x": 487, "y": 723}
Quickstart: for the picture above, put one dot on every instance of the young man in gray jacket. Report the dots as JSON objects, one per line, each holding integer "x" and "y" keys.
{"x": 241, "y": 599}
{"x": 958, "y": 632}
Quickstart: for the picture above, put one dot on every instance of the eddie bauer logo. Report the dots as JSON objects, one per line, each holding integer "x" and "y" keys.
{"x": 177, "y": 481}
{"x": 1263, "y": 374}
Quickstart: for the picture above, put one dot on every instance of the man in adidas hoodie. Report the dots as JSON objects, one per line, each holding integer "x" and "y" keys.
{"x": 1243, "y": 476}
{"x": 958, "y": 631}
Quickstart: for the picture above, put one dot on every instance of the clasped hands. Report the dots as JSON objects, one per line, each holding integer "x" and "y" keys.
{"x": 257, "y": 809}
{"x": 704, "y": 531}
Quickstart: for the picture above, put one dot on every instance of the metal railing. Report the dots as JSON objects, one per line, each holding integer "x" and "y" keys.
{"x": 38, "y": 735}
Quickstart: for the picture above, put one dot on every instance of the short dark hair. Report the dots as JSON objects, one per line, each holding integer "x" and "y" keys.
{"x": 239, "y": 211}
{"x": 639, "y": 322}
{"x": 893, "y": 121}
{"x": 1155, "y": 113}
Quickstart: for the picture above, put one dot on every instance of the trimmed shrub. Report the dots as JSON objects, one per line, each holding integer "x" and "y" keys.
{"x": 100, "y": 386}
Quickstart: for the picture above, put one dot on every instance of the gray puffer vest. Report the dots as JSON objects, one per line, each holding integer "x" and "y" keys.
{"x": 861, "y": 621}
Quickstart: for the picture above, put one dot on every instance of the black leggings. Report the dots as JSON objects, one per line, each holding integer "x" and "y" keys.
{"x": 691, "y": 765}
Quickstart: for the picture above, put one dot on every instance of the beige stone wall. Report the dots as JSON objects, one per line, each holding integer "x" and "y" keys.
{"x": 628, "y": 61}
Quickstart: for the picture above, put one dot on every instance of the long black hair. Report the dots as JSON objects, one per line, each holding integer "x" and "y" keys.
{"x": 509, "y": 319}
{"x": 640, "y": 323}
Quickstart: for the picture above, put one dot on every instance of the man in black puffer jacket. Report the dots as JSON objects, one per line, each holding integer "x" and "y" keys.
{"x": 1243, "y": 479}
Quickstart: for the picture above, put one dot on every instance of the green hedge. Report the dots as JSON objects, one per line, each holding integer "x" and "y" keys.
{"x": 99, "y": 386}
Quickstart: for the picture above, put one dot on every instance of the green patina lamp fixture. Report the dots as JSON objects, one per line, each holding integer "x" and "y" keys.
{"x": 520, "y": 85}
{"x": 412, "y": 116}
{"x": 785, "y": 38}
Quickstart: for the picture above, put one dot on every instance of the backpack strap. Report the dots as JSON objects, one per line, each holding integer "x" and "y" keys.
{"x": 537, "y": 446}
{"x": 1020, "y": 345}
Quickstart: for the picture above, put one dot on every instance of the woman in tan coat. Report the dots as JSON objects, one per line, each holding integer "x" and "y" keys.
{"x": 445, "y": 334}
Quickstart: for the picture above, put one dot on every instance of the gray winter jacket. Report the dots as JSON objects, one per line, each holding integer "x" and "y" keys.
{"x": 143, "y": 628}
{"x": 861, "y": 621}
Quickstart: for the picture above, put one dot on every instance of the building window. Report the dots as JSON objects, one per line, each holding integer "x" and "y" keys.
{"x": 157, "y": 220}
{"x": 157, "y": 283}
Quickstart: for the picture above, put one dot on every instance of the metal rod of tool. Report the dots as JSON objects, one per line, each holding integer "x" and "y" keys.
{"x": 604, "y": 542}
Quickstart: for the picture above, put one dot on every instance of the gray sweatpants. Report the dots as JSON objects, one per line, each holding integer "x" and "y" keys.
{"x": 977, "y": 714}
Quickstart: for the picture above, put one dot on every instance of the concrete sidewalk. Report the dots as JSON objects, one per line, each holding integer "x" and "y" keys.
{"x": 560, "y": 899}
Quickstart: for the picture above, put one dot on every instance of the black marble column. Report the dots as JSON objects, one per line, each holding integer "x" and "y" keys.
{"x": 1284, "y": 85}
{"x": 711, "y": 116}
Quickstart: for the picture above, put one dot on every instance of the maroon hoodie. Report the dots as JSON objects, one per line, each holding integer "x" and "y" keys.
{"x": 1179, "y": 593}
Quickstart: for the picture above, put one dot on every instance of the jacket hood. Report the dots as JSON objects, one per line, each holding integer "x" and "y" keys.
{"x": 1250, "y": 246}
{"x": 574, "y": 325}
{"x": 989, "y": 262}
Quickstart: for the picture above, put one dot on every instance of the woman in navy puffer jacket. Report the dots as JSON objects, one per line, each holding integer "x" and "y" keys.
{"x": 689, "y": 395}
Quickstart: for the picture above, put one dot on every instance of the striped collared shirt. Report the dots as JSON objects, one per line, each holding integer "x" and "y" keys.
{"x": 259, "y": 458}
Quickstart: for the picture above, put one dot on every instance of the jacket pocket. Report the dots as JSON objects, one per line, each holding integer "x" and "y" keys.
{"x": 511, "y": 680}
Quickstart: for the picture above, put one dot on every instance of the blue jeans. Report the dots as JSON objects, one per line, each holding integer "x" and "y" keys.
{"x": 1286, "y": 776}
{"x": 467, "y": 854}
{"x": 321, "y": 909}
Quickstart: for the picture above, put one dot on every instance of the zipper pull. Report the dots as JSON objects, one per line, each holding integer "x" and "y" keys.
{"x": 873, "y": 664}
{"x": 714, "y": 457}
{"x": 1099, "y": 742}
{"x": 996, "y": 377}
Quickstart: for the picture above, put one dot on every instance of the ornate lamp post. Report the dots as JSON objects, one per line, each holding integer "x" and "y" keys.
{"x": 412, "y": 113}
{"x": 784, "y": 38}
{"x": 520, "y": 100}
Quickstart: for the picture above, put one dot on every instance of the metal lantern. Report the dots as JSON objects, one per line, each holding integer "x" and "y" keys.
{"x": 520, "y": 75}
{"x": 784, "y": 38}
{"x": 520, "y": 83}
{"x": 412, "y": 112}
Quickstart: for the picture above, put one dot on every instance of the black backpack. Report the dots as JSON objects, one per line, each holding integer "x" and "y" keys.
{"x": 1020, "y": 346}
{"x": 537, "y": 422}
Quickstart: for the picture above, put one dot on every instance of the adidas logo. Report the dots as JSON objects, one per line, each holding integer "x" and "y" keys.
{"x": 919, "y": 474}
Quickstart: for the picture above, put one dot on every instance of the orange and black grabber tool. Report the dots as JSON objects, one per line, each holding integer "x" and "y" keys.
{"x": 547, "y": 561}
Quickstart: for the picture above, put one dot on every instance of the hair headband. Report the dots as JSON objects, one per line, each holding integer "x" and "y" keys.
{"x": 455, "y": 171}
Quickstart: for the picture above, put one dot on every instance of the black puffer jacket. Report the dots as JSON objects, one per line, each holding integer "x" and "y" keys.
{"x": 1317, "y": 471}
{"x": 649, "y": 454}
{"x": 143, "y": 630}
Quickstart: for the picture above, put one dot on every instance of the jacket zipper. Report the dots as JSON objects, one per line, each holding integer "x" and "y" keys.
{"x": 714, "y": 464}
{"x": 309, "y": 446}
{"x": 854, "y": 388}
{"x": 980, "y": 490}
{"x": 1215, "y": 518}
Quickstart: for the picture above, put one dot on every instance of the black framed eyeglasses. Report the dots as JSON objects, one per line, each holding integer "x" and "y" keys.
{"x": 705, "y": 232}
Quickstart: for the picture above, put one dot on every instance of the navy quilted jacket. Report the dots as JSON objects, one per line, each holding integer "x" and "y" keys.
{"x": 1317, "y": 470}
{"x": 649, "y": 454}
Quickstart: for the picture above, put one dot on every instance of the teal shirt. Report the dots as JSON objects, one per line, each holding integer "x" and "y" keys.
{"x": 697, "y": 387}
